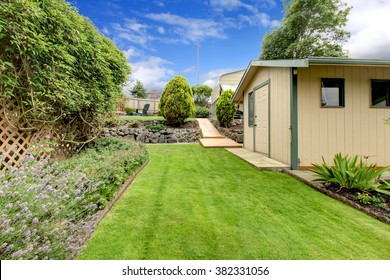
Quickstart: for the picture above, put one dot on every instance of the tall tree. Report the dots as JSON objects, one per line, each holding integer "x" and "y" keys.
{"x": 138, "y": 90}
{"x": 309, "y": 28}
{"x": 202, "y": 94}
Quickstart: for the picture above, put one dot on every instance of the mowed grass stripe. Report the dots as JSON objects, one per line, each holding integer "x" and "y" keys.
{"x": 195, "y": 203}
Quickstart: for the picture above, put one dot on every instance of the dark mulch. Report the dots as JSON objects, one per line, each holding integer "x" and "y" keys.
{"x": 382, "y": 211}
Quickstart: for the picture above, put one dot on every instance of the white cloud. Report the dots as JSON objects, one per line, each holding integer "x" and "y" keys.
{"x": 132, "y": 31}
{"x": 159, "y": 4}
{"x": 259, "y": 18}
{"x": 131, "y": 52}
{"x": 106, "y": 31}
{"x": 369, "y": 23}
{"x": 161, "y": 30}
{"x": 190, "y": 29}
{"x": 189, "y": 69}
{"x": 252, "y": 15}
{"x": 228, "y": 5}
{"x": 153, "y": 72}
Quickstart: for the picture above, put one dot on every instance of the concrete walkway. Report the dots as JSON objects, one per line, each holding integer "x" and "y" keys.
{"x": 259, "y": 161}
{"x": 307, "y": 176}
{"x": 212, "y": 138}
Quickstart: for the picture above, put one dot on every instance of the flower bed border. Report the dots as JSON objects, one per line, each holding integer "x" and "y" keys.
{"x": 102, "y": 213}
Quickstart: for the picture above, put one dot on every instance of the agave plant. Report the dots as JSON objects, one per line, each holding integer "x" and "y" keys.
{"x": 351, "y": 173}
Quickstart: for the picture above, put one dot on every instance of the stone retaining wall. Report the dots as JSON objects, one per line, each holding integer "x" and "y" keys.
{"x": 154, "y": 136}
{"x": 234, "y": 134}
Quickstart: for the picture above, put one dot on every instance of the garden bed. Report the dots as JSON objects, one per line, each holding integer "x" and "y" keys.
{"x": 379, "y": 209}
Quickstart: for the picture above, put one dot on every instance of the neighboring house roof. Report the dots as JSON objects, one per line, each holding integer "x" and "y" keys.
{"x": 226, "y": 81}
{"x": 301, "y": 63}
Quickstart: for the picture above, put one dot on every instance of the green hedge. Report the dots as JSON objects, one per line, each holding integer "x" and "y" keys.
{"x": 57, "y": 67}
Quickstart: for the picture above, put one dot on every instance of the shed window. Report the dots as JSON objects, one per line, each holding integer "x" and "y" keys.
{"x": 380, "y": 93}
{"x": 332, "y": 92}
{"x": 251, "y": 109}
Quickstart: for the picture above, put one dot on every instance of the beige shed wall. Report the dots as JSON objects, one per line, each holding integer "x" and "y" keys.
{"x": 279, "y": 112}
{"x": 355, "y": 129}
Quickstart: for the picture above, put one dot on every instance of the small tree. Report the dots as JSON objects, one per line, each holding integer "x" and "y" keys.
{"x": 138, "y": 90}
{"x": 225, "y": 110}
{"x": 202, "y": 94}
{"x": 176, "y": 103}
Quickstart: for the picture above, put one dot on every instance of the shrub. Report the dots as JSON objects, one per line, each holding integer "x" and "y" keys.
{"x": 176, "y": 103}
{"x": 44, "y": 213}
{"x": 133, "y": 124}
{"x": 157, "y": 127}
{"x": 202, "y": 112}
{"x": 351, "y": 173}
{"x": 368, "y": 199}
{"x": 224, "y": 109}
{"x": 110, "y": 161}
{"x": 129, "y": 111}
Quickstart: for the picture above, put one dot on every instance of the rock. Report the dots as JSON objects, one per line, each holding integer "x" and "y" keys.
{"x": 162, "y": 139}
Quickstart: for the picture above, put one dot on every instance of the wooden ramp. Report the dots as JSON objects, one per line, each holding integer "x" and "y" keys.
{"x": 212, "y": 138}
{"x": 219, "y": 143}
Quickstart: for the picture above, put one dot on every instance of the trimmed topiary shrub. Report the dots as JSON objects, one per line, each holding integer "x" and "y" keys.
{"x": 176, "y": 103}
{"x": 224, "y": 109}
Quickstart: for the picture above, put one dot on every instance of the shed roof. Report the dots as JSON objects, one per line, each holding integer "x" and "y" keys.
{"x": 301, "y": 63}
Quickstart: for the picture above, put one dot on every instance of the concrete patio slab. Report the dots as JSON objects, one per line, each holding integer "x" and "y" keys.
{"x": 259, "y": 161}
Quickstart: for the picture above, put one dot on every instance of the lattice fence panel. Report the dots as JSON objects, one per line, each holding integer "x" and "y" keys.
{"x": 17, "y": 140}
{"x": 14, "y": 143}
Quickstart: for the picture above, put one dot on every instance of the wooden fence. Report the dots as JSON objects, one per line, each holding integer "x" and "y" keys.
{"x": 138, "y": 103}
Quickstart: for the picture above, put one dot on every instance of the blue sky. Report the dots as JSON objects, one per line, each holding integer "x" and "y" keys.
{"x": 159, "y": 38}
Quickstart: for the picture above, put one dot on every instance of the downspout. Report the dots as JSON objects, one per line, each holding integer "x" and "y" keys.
{"x": 294, "y": 118}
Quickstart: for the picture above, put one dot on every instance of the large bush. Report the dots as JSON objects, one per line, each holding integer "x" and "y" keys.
{"x": 225, "y": 110}
{"x": 57, "y": 68}
{"x": 176, "y": 103}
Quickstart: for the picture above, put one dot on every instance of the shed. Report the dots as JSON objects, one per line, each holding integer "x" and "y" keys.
{"x": 298, "y": 111}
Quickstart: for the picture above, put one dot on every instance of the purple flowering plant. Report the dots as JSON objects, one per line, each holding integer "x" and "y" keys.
{"x": 44, "y": 211}
{"x": 47, "y": 208}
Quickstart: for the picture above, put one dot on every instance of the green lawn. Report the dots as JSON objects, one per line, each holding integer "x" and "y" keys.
{"x": 196, "y": 203}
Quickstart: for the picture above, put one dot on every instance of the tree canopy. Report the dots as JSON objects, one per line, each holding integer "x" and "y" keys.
{"x": 56, "y": 67}
{"x": 138, "y": 90}
{"x": 202, "y": 94}
{"x": 309, "y": 28}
